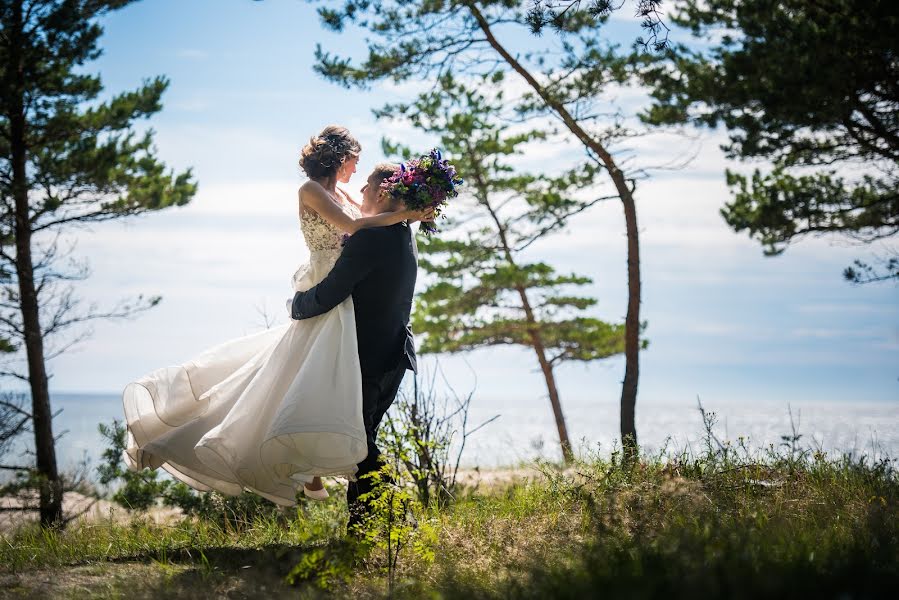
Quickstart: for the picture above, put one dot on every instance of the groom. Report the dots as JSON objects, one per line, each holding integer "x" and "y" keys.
{"x": 378, "y": 268}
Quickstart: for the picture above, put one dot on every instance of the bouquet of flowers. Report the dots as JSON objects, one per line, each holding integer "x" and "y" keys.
{"x": 424, "y": 182}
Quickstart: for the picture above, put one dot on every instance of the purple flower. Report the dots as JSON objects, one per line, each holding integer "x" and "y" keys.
{"x": 423, "y": 182}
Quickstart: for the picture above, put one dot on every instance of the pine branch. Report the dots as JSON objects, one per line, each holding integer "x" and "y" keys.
{"x": 15, "y": 468}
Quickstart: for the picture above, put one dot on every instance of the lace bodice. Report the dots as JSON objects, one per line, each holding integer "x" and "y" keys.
{"x": 320, "y": 235}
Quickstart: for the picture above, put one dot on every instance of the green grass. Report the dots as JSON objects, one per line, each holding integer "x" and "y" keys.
{"x": 693, "y": 529}
{"x": 724, "y": 524}
{"x": 141, "y": 539}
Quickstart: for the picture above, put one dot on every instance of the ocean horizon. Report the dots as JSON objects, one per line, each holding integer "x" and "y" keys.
{"x": 524, "y": 429}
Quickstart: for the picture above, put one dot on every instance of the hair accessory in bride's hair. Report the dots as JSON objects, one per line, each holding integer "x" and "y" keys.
{"x": 326, "y": 152}
{"x": 339, "y": 149}
{"x": 424, "y": 182}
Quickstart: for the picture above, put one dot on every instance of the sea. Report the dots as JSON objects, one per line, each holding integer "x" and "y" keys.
{"x": 521, "y": 430}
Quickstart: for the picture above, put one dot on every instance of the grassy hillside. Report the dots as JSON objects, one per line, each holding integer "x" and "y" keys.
{"x": 724, "y": 524}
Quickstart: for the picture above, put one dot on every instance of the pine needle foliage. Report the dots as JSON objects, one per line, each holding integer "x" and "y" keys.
{"x": 67, "y": 160}
{"x": 487, "y": 287}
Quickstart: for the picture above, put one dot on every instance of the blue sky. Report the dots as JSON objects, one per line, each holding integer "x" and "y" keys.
{"x": 725, "y": 322}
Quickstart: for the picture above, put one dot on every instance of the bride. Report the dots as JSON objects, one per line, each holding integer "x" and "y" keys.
{"x": 280, "y": 408}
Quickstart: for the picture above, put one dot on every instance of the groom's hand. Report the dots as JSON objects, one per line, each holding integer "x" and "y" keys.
{"x": 358, "y": 258}
{"x": 426, "y": 215}
{"x": 297, "y": 299}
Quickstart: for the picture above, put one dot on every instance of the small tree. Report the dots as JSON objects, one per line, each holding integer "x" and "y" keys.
{"x": 427, "y": 431}
{"x": 565, "y": 82}
{"x": 65, "y": 161}
{"x": 485, "y": 292}
{"x": 14, "y": 421}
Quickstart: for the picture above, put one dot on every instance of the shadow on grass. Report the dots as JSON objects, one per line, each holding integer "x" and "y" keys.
{"x": 270, "y": 557}
{"x": 226, "y": 572}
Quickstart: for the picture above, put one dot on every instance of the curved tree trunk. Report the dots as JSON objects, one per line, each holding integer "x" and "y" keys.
{"x": 632, "y": 320}
{"x": 533, "y": 329}
{"x": 547, "y": 369}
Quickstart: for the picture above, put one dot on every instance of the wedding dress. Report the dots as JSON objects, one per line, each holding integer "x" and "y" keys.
{"x": 265, "y": 412}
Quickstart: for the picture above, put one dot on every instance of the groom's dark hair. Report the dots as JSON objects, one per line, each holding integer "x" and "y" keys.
{"x": 384, "y": 170}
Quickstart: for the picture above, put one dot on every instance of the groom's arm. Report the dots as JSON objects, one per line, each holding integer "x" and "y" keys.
{"x": 360, "y": 255}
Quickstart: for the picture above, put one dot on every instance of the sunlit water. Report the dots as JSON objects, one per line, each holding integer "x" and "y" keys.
{"x": 525, "y": 430}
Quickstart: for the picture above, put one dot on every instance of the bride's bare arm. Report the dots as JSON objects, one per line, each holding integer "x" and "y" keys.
{"x": 316, "y": 197}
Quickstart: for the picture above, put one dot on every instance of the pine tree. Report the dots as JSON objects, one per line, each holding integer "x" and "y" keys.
{"x": 65, "y": 160}
{"x": 564, "y": 80}
{"x": 484, "y": 291}
{"x": 809, "y": 86}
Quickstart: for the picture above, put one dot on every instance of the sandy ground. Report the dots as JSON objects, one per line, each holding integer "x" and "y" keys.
{"x": 80, "y": 507}
{"x": 76, "y": 506}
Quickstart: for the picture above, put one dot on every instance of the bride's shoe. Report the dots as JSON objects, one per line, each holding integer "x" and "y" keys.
{"x": 319, "y": 494}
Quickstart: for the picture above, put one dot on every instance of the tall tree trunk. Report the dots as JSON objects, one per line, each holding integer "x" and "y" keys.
{"x": 631, "y": 325}
{"x": 547, "y": 368}
{"x": 42, "y": 417}
{"x": 533, "y": 328}
{"x": 632, "y": 320}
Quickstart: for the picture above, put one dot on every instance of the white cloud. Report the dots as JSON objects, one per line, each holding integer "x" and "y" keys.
{"x": 192, "y": 54}
{"x": 831, "y": 333}
{"x": 846, "y": 307}
{"x": 714, "y": 303}
{"x": 194, "y": 105}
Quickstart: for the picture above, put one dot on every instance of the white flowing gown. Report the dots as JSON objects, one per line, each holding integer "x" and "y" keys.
{"x": 265, "y": 412}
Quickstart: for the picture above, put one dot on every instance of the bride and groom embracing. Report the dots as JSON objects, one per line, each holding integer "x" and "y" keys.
{"x": 275, "y": 411}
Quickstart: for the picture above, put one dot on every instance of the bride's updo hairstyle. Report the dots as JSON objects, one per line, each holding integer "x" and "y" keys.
{"x": 326, "y": 152}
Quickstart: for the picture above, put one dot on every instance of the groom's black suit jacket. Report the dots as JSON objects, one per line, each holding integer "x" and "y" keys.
{"x": 378, "y": 268}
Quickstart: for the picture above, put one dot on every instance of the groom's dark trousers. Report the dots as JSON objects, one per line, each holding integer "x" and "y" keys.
{"x": 377, "y": 267}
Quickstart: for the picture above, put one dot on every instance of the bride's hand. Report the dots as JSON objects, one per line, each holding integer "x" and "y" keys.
{"x": 425, "y": 214}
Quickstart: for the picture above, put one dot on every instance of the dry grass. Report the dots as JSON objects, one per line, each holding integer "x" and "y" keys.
{"x": 697, "y": 527}
{"x": 81, "y": 508}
